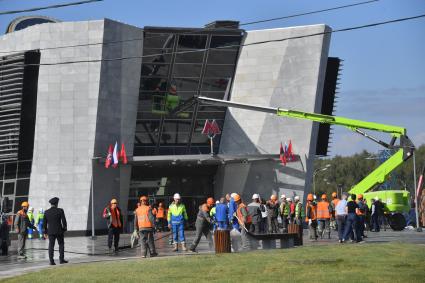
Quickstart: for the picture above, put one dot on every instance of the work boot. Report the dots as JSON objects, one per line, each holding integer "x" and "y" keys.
{"x": 184, "y": 246}
{"x": 176, "y": 247}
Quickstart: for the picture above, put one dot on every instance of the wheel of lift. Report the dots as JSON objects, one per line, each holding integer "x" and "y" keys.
{"x": 397, "y": 222}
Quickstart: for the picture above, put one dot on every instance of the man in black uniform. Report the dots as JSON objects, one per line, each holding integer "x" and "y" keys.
{"x": 54, "y": 226}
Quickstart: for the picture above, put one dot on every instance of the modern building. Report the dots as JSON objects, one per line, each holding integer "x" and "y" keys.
{"x": 70, "y": 89}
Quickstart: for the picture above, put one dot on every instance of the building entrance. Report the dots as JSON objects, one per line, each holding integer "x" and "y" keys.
{"x": 160, "y": 183}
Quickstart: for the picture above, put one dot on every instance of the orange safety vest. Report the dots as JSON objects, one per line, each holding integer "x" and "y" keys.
{"x": 358, "y": 212}
{"x": 323, "y": 210}
{"x": 240, "y": 215}
{"x": 162, "y": 213}
{"x": 142, "y": 214}
{"x": 313, "y": 211}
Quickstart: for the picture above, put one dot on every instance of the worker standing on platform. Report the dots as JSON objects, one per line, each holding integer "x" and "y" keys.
{"x": 272, "y": 213}
{"x": 39, "y": 221}
{"x": 284, "y": 210}
{"x": 299, "y": 212}
{"x": 114, "y": 220}
{"x": 254, "y": 210}
{"x": 334, "y": 203}
{"x": 22, "y": 223}
{"x": 311, "y": 217}
{"x": 145, "y": 224}
{"x": 244, "y": 222}
{"x": 291, "y": 210}
{"x": 203, "y": 225}
{"x": 324, "y": 211}
{"x": 31, "y": 218}
{"x": 177, "y": 218}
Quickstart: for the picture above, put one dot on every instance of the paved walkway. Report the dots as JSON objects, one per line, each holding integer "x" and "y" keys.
{"x": 83, "y": 249}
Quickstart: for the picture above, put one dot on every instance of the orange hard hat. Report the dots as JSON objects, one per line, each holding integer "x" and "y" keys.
{"x": 359, "y": 196}
{"x": 310, "y": 197}
{"x": 143, "y": 198}
{"x": 324, "y": 196}
{"x": 273, "y": 197}
{"x": 236, "y": 197}
{"x": 25, "y": 204}
{"x": 210, "y": 201}
{"x": 334, "y": 195}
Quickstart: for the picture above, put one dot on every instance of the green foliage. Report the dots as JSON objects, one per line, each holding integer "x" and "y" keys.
{"x": 345, "y": 172}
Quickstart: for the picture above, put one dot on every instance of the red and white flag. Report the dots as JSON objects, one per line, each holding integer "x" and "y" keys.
{"x": 115, "y": 156}
{"x": 123, "y": 155}
{"x": 108, "y": 157}
{"x": 282, "y": 155}
{"x": 290, "y": 153}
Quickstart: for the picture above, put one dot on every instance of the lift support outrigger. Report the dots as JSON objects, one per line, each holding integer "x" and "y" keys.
{"x": 396, "y": 201}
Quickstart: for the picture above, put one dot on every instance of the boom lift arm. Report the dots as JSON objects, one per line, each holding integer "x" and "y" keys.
{"x": 404, "y": 149}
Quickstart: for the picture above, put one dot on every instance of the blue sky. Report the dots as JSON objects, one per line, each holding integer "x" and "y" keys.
{"x": 383, "y": 78}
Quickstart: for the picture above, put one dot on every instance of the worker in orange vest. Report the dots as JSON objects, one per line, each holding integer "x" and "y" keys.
{"x": 334, "y": 203}
{"x": 244, "y": 220}
{"x": 324, "y": 211}
{"x": 161, "y": 217}
{"x": 144, "y": 222}
{"x": 311, "y": 217}
{"x": 361, "y": 215}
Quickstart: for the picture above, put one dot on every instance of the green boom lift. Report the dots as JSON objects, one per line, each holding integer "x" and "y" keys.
{"x": 396, "y": 201}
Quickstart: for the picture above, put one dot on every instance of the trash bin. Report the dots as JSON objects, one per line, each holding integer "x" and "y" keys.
{"x": 222, "y": 241}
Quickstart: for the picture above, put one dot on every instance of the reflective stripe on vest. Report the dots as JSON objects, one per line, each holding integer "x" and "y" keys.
{"x": 142, "y": 214}
{"x": 323, "y": 210}
{"x": 298, "y": 209}
{"x": 313, "y": 212}
{"x": 286, "y": 209}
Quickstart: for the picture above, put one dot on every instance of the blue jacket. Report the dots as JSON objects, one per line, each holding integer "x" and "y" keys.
{"x": 233, "y": 207}
{"x": 221, "y": 212}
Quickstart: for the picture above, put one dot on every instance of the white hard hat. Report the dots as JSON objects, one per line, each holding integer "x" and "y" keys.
{"x": 217, "y": 202}
{"x": 255, "y": 196}
{"x": 288, "y": 199}
{"x": 31, "y": 209}
{"x": 314, "y": 197}
{"x": 176, "y": 196}
{"x": 376, "y": 198}
{"x": 297, "y": 198}
{"x": 282, "y": 196}
{"x": 41, "y": 210}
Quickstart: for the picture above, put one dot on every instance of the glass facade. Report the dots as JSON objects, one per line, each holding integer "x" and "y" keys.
{"x": 178, "y": 66}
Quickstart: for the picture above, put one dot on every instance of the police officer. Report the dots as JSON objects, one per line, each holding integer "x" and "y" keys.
{"x": 54, "y": 226}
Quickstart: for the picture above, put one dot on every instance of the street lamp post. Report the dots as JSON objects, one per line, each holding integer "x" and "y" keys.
{"x": 314, "y": 175}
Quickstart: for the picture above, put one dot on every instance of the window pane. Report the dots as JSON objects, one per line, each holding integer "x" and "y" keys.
{"x": 186, "y": 84}
{"x": 1, "y": 171}
{"x": 192, "y": 41}
{"x": 157, "y": 55}
{"x": 187, "y": 70}
{"x": 222, "y": 56}
{"x": 22, "y": 187}
{"x": 221, "y": 41}
{"x": 219, "y": 71}
{"x": 215, "y": 84}
{"x": 9, "y": 188}
{"x": 189, "y": 57}
{"x": 158, "y": 40}
{"x": 153, "y": 84}
{"x": 10, "y": 171}
{"x": 155, "y": 70}
{"x": 24, "y": 169}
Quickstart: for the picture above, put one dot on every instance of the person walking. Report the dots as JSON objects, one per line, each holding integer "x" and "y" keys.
{"x": 54, "y": 228}
{"x": 254, "y": 210}
{"x": 22, "y": 224}
{"x": 341, "y": 216}
{"x": 222, "y": 215}
{"x": 145, "y": 224}
{"x": 39, "y": 221}
{"x": 299, "y": 212}
{"x": 352, "y": 220}
{"x": 161, "y": 217}
{"x": 203, "y": 225}
{"x": 272, "y": 213}
{"x": 177, "y": 217}
{"x": 114, "y": 220}
{"x": 311, "y": 217}
{"x": 324, "y": 211}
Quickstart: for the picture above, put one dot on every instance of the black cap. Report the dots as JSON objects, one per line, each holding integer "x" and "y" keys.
{"x": 54, "y": 201}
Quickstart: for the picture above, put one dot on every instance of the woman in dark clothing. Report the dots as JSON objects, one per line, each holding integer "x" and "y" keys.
{"x": 352, "y": 209}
